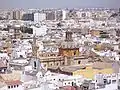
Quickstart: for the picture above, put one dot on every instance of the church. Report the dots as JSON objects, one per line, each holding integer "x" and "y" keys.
{"x": 68, "y": 54}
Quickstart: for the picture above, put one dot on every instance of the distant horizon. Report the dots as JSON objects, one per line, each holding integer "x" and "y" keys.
{"x": 42, "y": 4}
{"x": 58, "y": 8}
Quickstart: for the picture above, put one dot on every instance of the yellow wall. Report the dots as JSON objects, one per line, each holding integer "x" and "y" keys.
{"x": 95, "y": 33}
{"x": 70, "y": 52}
{"x": 98, "y": 47}
{"x": 89, "y": 72}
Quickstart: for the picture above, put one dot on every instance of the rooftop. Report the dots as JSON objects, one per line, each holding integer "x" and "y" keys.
{"x": 2, "y": 65}
{"x": 15, "y": 75}
{"x": 15, "y": 82}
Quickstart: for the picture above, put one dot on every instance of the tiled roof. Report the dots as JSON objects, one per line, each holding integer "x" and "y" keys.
{"x": 10, "y": 77}
{"x": 16, "y": 82}
{"x": 2, "y": 64}
{"x": 102, "y": 65}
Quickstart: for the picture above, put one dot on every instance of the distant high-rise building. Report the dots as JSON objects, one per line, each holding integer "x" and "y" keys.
{"x": 15, "y": 15}
{"x": 10, "y": 15}
{"x": 28, "y": 17}
{"x": 58, "y": 15}
{"x": 39, "y": 17}
{"x": 50, "y": 15}
{"x": 64, "y": 14}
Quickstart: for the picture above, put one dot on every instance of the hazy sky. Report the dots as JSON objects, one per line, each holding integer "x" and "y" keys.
{"x": 58, "y": 3}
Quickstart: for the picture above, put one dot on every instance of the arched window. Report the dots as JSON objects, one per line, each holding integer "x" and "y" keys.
{"x": 35, "y": 64}
{"x": 72, "y": 83}
{"x": 74, "y": 52}
{"x": 8, "y": 86}
{"x": 21, "y": 56}
{"x": 14, "y": 86}
{"x": 51, "y": 64}
{"x": 57, "y": 64}
{"x": 63, "y": 63}
{"x": 79, "y": 62}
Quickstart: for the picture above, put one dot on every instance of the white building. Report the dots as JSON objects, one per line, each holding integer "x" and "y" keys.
{"x": 39, "y": 31}
{"x": 12, "y": 85}
{"x": 84, "y": 14}
{"x": 107, "y": 82}
{"x": 39, "y": 17}
{"x": 64, "y": 13}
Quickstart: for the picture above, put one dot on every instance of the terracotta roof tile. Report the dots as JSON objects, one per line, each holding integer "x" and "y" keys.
{"x": 16, "y": 82}
{"x": 2, "y": 64}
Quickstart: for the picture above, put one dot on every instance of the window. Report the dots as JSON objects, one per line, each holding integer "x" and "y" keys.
{"x": 79, "y": 62}
{"x": 35, "y": 65}
{"x": 74, "y": 52}
{"x": 63, "y": 63}
{"x": 9, "y": 87}
{"x": 51, "y": 64}
{"x": 57, "y": 64}
{"x": 72, "y": 83}
{"x": 45, "y": 65}
{"x": 17, "y": 85}
{"x": 119, "y": 53}
{"x": 68, "y": 82}
{"x": 113, "y": 81}
{"x": 14, "y": 86}
{"x": 21, "y": 56}
{"x": 105, "y": 81}
{"x": 83, "y": 14}
{"x": 109, "y": 82}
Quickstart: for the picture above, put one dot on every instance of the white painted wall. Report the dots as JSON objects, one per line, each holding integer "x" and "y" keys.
{"x": 39, "y": 17}
{"x": 16, "y": 88}
{"x": 64, "y": 14}
{"x": 38, "y": 31}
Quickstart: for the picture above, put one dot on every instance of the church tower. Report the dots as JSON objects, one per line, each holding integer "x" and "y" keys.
{"x": 68, "y": 36}
{"x": 35, "y": 61}
{"x": 69, "y": 48}
{"x": 34, "y": 47}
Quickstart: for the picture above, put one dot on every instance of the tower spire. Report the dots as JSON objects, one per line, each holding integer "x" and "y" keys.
{"x": 34, "y": 47}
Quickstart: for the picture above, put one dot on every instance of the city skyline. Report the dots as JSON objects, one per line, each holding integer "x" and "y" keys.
{"x": 25, "y": 4}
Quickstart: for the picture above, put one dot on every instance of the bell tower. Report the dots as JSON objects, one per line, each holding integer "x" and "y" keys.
{"x": 68, "y": 47}
{"x": 34, "y": 61}
{"x": 68, "y": 37}
{"x": 34, "y": 47}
